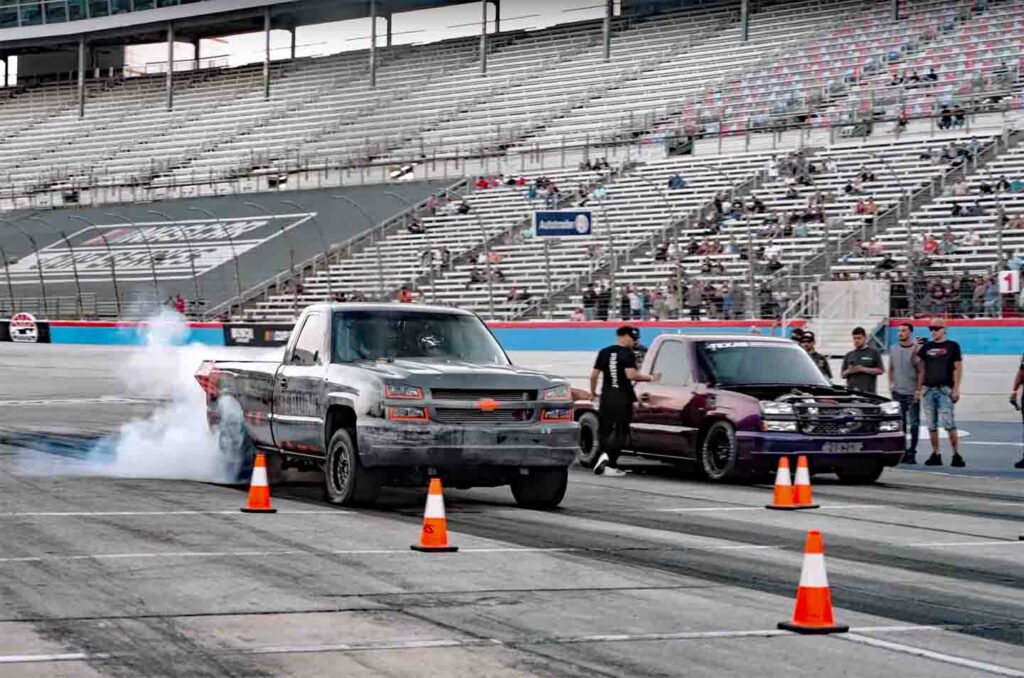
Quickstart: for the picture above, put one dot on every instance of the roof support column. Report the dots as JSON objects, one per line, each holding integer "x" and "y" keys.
{"x": 373, "y": 43}
{"x": 388, "y": 18}
{"x": 483, "y": 37}
{"x": 293, "y": 32}
{"x": 195, "y": 51}
{"x": 744, "y": 20}
{"x": 170, "y": 66}
{"x": 609, "y": 10}
{"x": 497, "y": 15}
{"x": 895, "y": 5}
{"x": 266, "y": 52}
{"x": 81, "y": 76}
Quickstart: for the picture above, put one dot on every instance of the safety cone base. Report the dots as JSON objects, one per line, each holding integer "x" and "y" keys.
{"x": 434, "y": 549}
{"x": 783, "y": 508}
{"x": 258, "y": 510}
{"x": 813, "y": 630}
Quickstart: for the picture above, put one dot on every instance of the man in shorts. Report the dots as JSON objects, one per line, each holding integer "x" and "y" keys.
{"x": 940, "y": 370}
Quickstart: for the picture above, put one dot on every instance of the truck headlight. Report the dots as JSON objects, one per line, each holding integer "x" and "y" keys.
{"x": 400, "y": 392}
{"x": 772, "y": 408}
{"x": 407, "y": 414}
{"x": 560, "y": 392}
{"x": 892, "y": 408}
{"x": 774, "y": 426}
{"x": 889, "y": 426}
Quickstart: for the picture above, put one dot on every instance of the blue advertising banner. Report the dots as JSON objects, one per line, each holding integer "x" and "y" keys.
{"x": 562, "y": 223}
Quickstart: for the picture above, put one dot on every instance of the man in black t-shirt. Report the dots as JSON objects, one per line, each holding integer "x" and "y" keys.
{"x": 1018, "y": 381}
{"x": 807, "y": 340}
{"x": 863, "y": 364}
{"x": 616, "y": 367}
{"x": 940, "y": 369}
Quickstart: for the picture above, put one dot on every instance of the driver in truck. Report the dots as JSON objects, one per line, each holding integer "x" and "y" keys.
{"x": 616, "y": 364}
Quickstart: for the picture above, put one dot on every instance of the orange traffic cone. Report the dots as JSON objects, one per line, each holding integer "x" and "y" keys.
{"x": 802, "y": 493}
{"x": 813, "y": 612}
{"x": 434, "y": 537}
{"x": 259, "y": 488}
{"x": 784, "y": 497}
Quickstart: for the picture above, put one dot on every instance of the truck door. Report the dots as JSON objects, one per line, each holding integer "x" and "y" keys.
{"x": 299, "y": 387}
{"x": 660, "y": 423}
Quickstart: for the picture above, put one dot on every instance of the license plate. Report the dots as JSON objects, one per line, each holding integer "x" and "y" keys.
{"x": 842, "y": 448}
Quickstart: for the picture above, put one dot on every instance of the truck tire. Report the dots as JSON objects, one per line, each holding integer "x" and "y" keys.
{"x": 718, "y": 456}
{"x": 590, "y": 439}
{"x": 865, "y": 473}
{"x": 542, "y": 488}
{"x": 347, "y": 482}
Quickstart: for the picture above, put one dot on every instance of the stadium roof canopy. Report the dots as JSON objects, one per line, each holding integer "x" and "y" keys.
{"x": 192, "y": 19}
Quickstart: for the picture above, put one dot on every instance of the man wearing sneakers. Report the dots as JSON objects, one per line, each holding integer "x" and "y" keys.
{"x": 616, "y": 364}
{"x": 940, "y": 369}
{"x": 903, "y": 381}
{"x": 1018, "y": 403}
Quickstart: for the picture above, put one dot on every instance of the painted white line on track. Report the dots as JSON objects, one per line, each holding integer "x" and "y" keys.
{"x": 930, "y": 654}
{"x": 80, "y": 401}
{"x": 105, "y": 514}
{"x": 712, "y": 509}
{"x": 1001, "y": 542}
{"x": 986, "y": 442}
{"x": 436, "y": 643}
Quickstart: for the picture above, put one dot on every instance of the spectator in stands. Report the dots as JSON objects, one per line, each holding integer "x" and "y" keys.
{"x": 874, "y": 247}
{"x": 446, "y": 259}
{"x": 463, "y": 208}
{"x": 959, "y": 116}
{"x": 590, "y": 302}
{"x": 599, "y": 192}
{"x": 517, "y": 295}
{"x": 771, "y": 168}
{"x": 179, "y": 304}
{"x": 865, "y": 174}
{"x": 625, "y": 311}
{"x": 978, "y": 297}
{"x": 945, "y": 118}
{"x": 694, "y": 299}
{"x": 930, "y": 245}
{"x": 791, "y": 193}
{"x": 476, "y": 276}
{"x": 991, "y": 297}
{"x": 657, "y": 306}
{"x": 971, "y": 239}
{"x": 661, "y": 252}
{"x": 960, "y": 188}
{"x": 728, "y": 297}
{"x": 1017, "y": 222}
{"x": 482, "y": 182}
{"x": 415, "y": 227}
{"x": 405, "y": 295}
{"x": 1003, "y": 184}
{"x": 676, "y": 182}
{"x": 956, "y": 209}
{"x": 948, "y": 245}
{"x": 757, "y": 206}
{"x": 801, "y": 230}
{"x": 604, "y": 302}
{"x": 432, "y": 203}
{"x": 975, "y": 210}
{"x": 931, "y": 75}
{"x": 532, "y": 192}
{"x": 636, "y": 305}
{"x": 577, "y": 315}
{"x": 870, "y": 206}
{"x": 732, "y": 247}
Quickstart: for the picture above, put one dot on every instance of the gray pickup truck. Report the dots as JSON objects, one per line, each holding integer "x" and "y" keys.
{"x": 391, "y": 394}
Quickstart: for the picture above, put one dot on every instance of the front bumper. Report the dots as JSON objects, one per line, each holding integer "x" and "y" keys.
{"x": 763, "y": 450}
{"x": 388, "y": 443}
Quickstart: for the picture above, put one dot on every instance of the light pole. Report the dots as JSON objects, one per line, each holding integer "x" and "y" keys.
{"x": 110, "y": 253}
{"x": 188, "y": 245}
{"x": 74, "y": 264}
{"x": 323, "y": 241}
{"x": 291, "y": 252}
{"x": 376, "y": 240}
{"x": 149, "y": 249}
{"x": 39, "y": 262}
{"x": 612, "y": 258}
{"x": 10, "y": 285}
{"x": 231, "y": 244}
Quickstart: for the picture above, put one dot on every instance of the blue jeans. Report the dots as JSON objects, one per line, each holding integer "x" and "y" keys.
{"x": 938, "y": 408}
{"x": 911, "y": 412}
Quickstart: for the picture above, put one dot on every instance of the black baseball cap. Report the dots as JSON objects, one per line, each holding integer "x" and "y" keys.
{"x": 807, "y": 336}
{"x": 797, "y": 334}
{"x": 628, "y": 331}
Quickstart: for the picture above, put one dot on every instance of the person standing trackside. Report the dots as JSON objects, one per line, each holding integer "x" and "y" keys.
{"x": 940, "y": 369}
{"x": 903, "y": 381}
{"x": 862, "y": 365}
{"x": 1018, "y": 381}
{"x": 807, "y": 340}
{"x": 616, "y": 364}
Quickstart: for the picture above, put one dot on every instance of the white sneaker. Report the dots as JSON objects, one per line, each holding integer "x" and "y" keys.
{"x": 612, "y": 472}
{"x": 602, "y": 463}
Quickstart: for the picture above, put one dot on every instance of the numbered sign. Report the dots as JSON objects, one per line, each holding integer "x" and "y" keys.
{"x": 1009, "y": 282}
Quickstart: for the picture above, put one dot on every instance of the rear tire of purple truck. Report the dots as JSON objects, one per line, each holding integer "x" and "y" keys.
{"x": 543, "y": 488}
{"x": 590, "y": 442}
{"x": 718, "y": 456}
{"x": 347, "y": 482}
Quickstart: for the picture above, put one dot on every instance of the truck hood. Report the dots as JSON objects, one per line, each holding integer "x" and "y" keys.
{"x": 452, "y": 374}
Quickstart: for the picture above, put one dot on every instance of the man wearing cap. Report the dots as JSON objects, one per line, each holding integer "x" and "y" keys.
{"x": 862, "y": 365}
{"x": 807, "y": 340}
{"x": 616, "y": 364}
{"x": 1018, "y": 403}
{"x": 903, "y": 381}
{"x": 940, "y": 369}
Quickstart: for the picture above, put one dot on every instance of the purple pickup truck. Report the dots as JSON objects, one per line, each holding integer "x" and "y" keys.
{"x": 732, "y": 405}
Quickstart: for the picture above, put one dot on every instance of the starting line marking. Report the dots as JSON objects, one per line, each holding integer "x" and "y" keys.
{"x": 968, "y": 543}
{"x": 436, "y": 643}
{"x": 930, "y": 654}
{"x": 711, "y": 509}
{"x": 104, "y": 514}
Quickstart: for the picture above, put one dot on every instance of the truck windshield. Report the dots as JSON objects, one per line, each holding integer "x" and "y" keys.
{"x": 737, "y": 363}
{"x": 376, "y": 334}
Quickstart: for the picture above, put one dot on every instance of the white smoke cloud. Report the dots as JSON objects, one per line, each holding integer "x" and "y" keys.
{"x": 174, "y": 442}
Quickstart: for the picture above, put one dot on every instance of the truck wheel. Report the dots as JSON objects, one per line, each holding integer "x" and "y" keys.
{"x": 861, "y": 474}
{"x": 590, "y": 440}
{"x": 717, "y": 458}
{"x": 346, "y": 480}
{"x": 543, "y": 488}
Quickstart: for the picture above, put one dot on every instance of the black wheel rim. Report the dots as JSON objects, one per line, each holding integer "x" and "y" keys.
{"x": 341, "y": 471}
{"x": 719, "y": 453}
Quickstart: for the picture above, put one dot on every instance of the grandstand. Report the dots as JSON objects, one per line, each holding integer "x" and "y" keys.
{"x": 797, "y": 129}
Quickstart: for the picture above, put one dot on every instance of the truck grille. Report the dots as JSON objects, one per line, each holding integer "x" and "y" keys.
{"x": 839, "y": 428}
{"x": 468, "y": 415}
{"x": 501, "y": 396}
